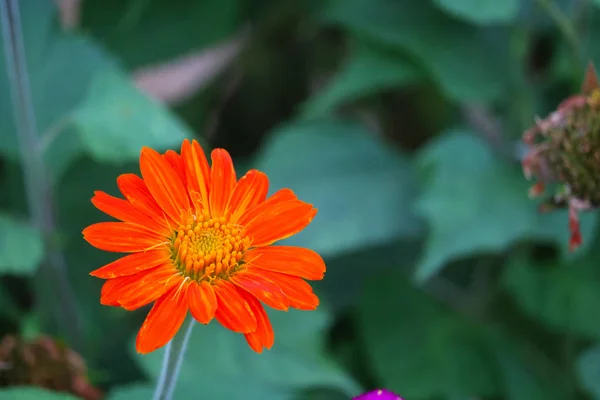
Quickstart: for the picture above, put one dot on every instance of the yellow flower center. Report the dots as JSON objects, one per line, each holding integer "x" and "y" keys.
{"x": 208, "y": 248}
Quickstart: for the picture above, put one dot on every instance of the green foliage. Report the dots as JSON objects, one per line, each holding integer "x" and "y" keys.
{"x": 21, "y": 247}
{"x": 400, "y": 120}
{"x": 33, "y": 394}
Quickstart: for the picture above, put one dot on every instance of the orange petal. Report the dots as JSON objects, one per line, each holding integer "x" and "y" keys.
{"x": 264, "y": 335}
{"x": 135, "y": 191}
{"x": 222, "y": 182}
{"x": 202, "y": 301}
{"x": 132, "y": 264}
{"x": 280, "y": 196}
{"x": 163, "y": 321}
{"x": 197, "y": 173}
{"x": 262, "y": 288}
{"x": 297, "y": 290}
{"x": 233, "y": 312}
{"x": 147, "y": 286}
{"x": 176, "y": 162}
{"x": 164, "y": 183}
{"x": 121, "y": 237}
{"x": 108, "y": 295}
{"x": 297, "y": 261}
{"x": 279, "y": 222}
{"x": 125, "y": 211}
{"x": 249, "y": 191}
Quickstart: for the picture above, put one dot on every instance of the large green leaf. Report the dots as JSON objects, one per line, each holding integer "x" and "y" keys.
{"x": 370, "y": 69}
{"x": 588, "y": 369}
{"x": 565, "y": 296}
{"x": 216, "y": 357}
{"x": 362, "y": 188}
{"x": 467, "y": 62}
{"x": 481, "y": 11}
{"x": 143, "y": 32}
{"x": 417, "y": 348}
{"x": 33, "y": 394}
{"x": 21, "y": 247}
{"x": 475, "y": 203}
{"x": 115, "y": 120}
{"x": 64, "y": 69}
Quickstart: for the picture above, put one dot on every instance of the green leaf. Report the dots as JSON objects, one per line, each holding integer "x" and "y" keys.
{"x": 417, "y": 348}
{"x": 112, "y": 107}
{"x": 21, "y": 247}
{"x": 588, "y": 369}
{"x": 57, "y": 82}
{"x": 142, "y": 32}
{"x": 564, "y": 296}
{"x": 362, "y": 188}
{"x": 135, "y": 392}
{"x": 467, "y": 62}
{"x": 474, "y": 203}
{"x": 33, "y": 394}
{"x": 481, "y": 11}
{"x": 369, "y": 70}
{"x": 115, "y": 120}
{"x": 216, "y": 357}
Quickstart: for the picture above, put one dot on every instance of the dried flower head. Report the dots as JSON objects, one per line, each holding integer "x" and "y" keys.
{"x": 45, "y": 363}
{"x": 201, "y": 240}
{"x": 565, "y": 148}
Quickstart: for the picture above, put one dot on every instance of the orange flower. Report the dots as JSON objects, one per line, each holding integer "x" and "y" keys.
{"x": 200, "y": 240}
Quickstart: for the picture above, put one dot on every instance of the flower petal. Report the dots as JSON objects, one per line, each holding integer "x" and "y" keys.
{"x": 280, "y": 196}
{"x": 222, "y": 182}
{"x": 132, "y": 264}
{"x": 279, "y": 222}
{"x": 262, "y": 288}
{"x": 121, "y": 237}
{"x": 134, "y": 189}
{"x": 202, "y": 301}
{"x": 125, "y": 211}
{"x": 233, "y": 312}
{"x": 290, "y": 260}
{"x": 297, "y": 290}
{"x": 163, "y": 321}
{"x": 145, "y": 287}
{"x": 176, "y": 162}
{"x": 249, "y": 191}
{"x": 197, "y": 173}
{"x": 164, "y": 183}
{"x": 108, "y": 295}
{"x": 264, "y": 335}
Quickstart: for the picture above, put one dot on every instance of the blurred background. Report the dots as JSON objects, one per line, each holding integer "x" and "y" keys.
{"x": 400, "y": 120}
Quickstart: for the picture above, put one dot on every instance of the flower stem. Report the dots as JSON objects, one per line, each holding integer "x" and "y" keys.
{"x": 55, "y": 297}
{"x": 172, "y": 359}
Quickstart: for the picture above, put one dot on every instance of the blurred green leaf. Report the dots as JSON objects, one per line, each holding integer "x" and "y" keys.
{"x": 23, "y": 393}
{"x": 57, "y": 82}
{"x": 216, "y": 357}
{"x": 474, "y": 203}
{"x": 588, "y": 369}
{"x": 481, "y": 11}
{"x": 21, "y": 247}
{"x": 142, "y": 32}
{"x": 115, "y": 120}
{"x": 369, "y": 70}
{"x": 464, "y": 60}
{"x": 136, "y": 392}
{"x": 565, "y": 296}
{"x": 362, "y": 188}
{"x": 417, "y": 348}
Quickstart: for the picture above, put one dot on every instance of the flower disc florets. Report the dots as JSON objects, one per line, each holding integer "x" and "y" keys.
{"x": 565, "y": 148}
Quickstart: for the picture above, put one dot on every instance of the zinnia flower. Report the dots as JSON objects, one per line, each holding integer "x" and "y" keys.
{"x": 200, "y": 240}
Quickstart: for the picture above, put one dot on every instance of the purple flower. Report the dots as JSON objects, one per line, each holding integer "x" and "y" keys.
{"x": 379, "y": 394}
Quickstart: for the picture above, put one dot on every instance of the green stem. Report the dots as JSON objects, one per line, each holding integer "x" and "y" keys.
{"x": 172, "y": 359}
{"x": 55, "y": 295}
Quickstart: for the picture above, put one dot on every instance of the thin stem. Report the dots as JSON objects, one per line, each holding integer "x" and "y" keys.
{"x": 172, "y": 360}
{"x": 54, "y": 291}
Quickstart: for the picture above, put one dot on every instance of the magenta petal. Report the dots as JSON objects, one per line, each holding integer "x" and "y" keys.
{"x": 379, "y": 394}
